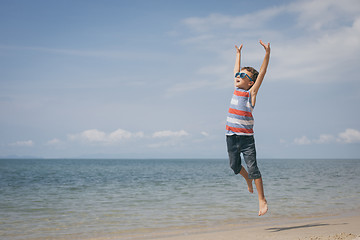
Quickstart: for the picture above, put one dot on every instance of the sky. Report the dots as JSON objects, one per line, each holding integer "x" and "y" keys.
{"x": 154, "y": 79}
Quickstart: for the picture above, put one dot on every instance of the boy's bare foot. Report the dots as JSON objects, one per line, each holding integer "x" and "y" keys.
{"x": 250, "y": 186}
{"x": 263, "y": 207}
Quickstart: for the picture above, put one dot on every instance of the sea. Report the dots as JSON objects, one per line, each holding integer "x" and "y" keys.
{"x": 137, "y": 198}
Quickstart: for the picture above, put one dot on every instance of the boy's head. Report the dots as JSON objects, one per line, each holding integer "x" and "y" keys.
{"x": 247, "y": 79}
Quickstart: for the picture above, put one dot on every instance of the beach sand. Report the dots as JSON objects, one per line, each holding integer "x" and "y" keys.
{"x": 330, "y": 228}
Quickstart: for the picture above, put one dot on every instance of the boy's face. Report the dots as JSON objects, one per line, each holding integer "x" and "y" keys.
{"x": 244, "y": 83}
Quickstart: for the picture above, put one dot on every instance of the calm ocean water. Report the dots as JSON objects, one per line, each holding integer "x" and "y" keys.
{"x": 78, "y": 199}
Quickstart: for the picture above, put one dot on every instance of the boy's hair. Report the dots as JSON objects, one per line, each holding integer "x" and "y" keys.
{"x": 253, "y": 71}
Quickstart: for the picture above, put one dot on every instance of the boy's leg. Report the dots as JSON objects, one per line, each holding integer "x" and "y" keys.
{"x": 245, "y": 174}
{"x": 263, "y": 207}
{"x": 249, "y": 153}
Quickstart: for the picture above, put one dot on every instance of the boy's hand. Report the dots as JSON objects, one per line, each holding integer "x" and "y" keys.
{"x": 266, "y": 47}
{"x": 238, "y": 49}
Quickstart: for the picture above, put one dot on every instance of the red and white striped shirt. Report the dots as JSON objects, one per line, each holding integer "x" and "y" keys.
{"x": 240, "y": 120}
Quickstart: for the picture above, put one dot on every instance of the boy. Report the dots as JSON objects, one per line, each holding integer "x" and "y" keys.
{"x": 239, "y": 126}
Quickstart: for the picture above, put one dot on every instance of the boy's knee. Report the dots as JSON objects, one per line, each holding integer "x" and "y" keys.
{"x": 254, "y": 173}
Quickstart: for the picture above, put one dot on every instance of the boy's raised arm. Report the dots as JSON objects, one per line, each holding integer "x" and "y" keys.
{"x": 255, "y": 88}
{"x": 238, "y": 59}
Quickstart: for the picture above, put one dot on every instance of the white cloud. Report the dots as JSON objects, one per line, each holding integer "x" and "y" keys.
{"x": 324, "y": 138}
{"x": 318, "y": 54}
{"x": 206, "y": 134}
{"x": 302, "y": 141}
{"x": 162, "y": 134}
{"x": 28, "y": 143}
{"x": 349, "y": 136}
{"x": 97, "y": 136}
{"x": 93, "y": 135}
{"x": 310, "y": 15}
{"x": 317, "y": 15}
{"x": 317, "y": 37}
{"x": 122, "y": 134}
{"x": 168, "y": 139}
{"x": 220, "y": 21}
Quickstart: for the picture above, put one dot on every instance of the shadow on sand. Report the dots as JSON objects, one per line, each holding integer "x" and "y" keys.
{"x": 278, "y": 229}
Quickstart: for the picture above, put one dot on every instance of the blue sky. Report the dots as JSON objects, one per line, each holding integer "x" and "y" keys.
{"x": 153, "y": 79}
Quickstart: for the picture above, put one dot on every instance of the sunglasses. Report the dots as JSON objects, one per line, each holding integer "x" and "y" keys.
{"x": 242, "y": 75}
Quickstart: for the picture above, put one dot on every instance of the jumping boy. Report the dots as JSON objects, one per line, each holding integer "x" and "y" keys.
{"x": 240, "y": 121}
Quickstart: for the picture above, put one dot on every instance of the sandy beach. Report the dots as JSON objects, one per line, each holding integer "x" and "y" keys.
{"x": 330, "y": 228}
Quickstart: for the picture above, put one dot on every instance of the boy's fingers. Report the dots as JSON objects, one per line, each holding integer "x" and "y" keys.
{"x": 264, "y": 45}
{"x": 238, "y": 48}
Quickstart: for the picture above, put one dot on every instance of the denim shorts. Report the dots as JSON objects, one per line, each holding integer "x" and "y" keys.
{"x": 237, "y": 144}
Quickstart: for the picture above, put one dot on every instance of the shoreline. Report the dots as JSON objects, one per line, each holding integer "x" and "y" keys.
{"x": 336, "y": 227}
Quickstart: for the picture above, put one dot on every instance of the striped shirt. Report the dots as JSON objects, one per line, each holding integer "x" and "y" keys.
{"x": 240, "y": 120}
